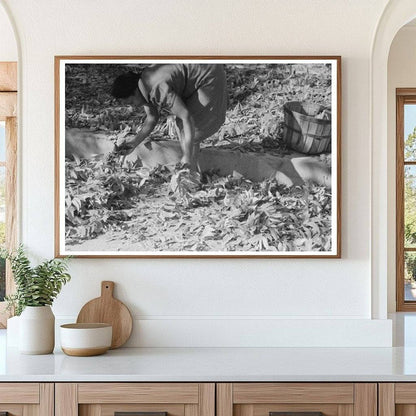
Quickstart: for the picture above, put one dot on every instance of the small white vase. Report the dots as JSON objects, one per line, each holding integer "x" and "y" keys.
{"x": 37, "y": 330}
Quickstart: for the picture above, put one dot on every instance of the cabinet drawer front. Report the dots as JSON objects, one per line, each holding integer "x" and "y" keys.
{"x": 138, "y": 393}
{"x": 330, "y": 399}
{"x": 27, "y": 399}
{"x": 105, "y": 399}
{"x": 27, "y": 393}
{"x": 252, "y": 393}
{"x": 405, "y": 393}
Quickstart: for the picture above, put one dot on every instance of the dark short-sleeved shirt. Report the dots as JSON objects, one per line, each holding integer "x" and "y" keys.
{"x": 202, "y": 87}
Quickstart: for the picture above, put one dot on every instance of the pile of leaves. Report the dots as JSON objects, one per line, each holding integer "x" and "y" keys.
{"x": 174, "y": 209}
{"x": 170, "y": 208}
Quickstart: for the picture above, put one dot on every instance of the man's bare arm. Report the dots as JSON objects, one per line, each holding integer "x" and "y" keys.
{"x": 180, "y": 110}
{"x": 130, "y": 143}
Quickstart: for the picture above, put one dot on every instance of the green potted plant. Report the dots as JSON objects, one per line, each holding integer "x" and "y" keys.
{"x": 36, "y": 289}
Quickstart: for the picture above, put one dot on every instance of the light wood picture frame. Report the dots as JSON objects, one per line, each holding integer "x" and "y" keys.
{"x": 263, "y": 176}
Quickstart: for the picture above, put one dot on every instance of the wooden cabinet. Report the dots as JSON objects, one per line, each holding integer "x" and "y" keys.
{"x": 208, "y": 399}
{"x": 27, "y": 399}
{"x": 106, "y": 399}
{"x": 297, "y": 399}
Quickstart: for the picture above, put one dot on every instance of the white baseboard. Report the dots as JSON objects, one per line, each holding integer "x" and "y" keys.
{"x": 254, "y": 332}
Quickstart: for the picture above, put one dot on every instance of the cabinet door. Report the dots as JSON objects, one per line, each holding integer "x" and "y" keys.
{"x": 397, "y": 399}
{"x": 26, "y": 399}
{"x": 297, "y": 399}
{"x": 144, "y": 399}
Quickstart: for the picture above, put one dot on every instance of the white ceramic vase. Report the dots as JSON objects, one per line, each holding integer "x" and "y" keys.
{"x": 37, "y": 330}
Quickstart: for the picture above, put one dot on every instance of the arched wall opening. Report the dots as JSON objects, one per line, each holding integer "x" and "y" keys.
{"x": 9, "y": 120}
{"x": 397, "y": 14}
{"x": 401, "y": 74}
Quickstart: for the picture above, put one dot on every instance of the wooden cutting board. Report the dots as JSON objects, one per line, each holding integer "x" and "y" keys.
{"x": 107, "y": 309}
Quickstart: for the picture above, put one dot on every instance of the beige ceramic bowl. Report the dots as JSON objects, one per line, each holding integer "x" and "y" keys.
{"x": 83, "y": 340}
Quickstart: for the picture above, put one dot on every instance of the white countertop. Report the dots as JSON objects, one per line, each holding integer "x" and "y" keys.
{"x": 213, "y": 364}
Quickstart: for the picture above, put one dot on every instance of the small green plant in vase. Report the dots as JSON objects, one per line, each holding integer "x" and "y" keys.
{"x": 36, "y": 289}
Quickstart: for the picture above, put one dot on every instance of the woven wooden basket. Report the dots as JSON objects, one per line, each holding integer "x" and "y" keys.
{"x": 303, "y": 131}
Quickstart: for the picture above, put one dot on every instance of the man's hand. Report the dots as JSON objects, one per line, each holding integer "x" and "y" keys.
{"x": 127, "y": 144}
{"x": 186, "y": 161}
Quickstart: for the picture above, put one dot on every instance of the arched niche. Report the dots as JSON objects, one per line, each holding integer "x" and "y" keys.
{"x": 396, "y": 14}
{"x": 9, "y": 63}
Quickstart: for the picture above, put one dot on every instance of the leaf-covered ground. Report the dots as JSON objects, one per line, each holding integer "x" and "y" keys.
{"x": 113, "y": 206}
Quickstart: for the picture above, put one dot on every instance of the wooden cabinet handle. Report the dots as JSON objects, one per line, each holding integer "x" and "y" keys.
{"x": 138, "y": 414}
{"x": 296, "y": 414}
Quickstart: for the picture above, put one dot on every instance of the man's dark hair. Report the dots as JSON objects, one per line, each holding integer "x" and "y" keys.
{"x": 125, "y": 85}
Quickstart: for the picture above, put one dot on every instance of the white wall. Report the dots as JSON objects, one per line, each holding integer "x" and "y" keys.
{"x": 8, "y": 47}
{"x": 179, "y": 300}
{"x": 401, "y": 74}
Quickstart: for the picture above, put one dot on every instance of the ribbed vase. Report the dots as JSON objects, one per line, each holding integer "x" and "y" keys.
{"x": 37, "y": 330}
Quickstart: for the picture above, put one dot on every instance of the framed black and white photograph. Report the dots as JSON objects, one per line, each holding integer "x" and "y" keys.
{"x": 198, "y": 156}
